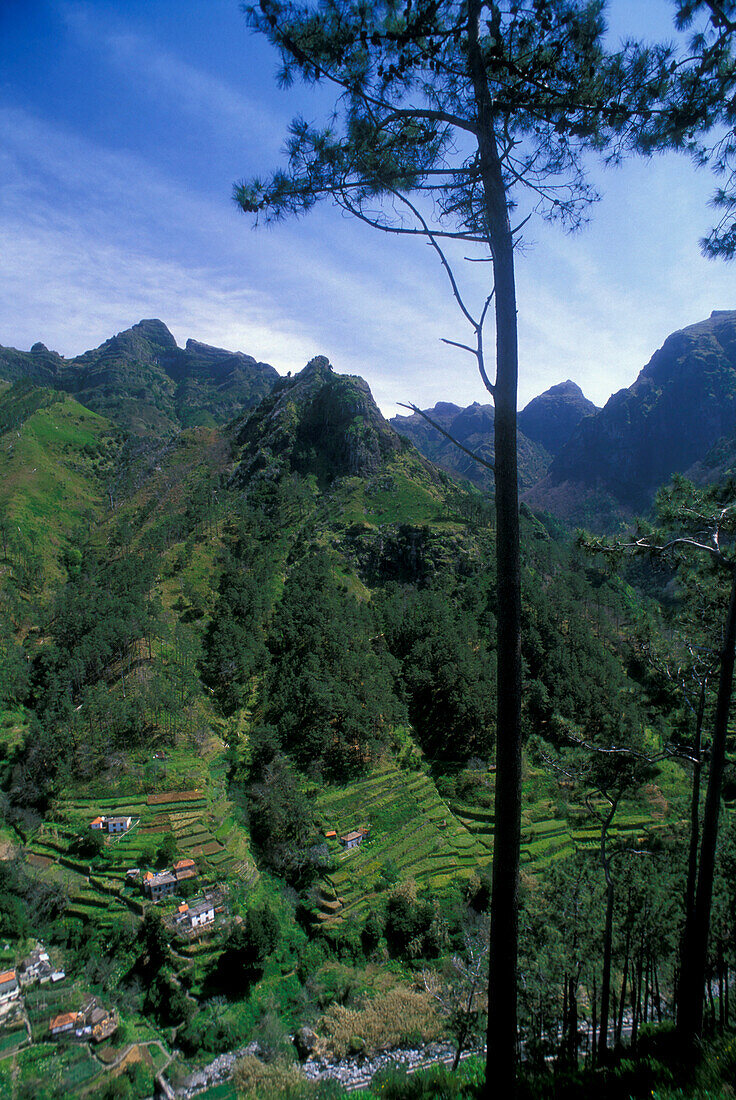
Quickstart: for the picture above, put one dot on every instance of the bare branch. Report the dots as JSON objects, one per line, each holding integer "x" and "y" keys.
{"x": 455, "y": 344}
{"x": 466, "y": 450}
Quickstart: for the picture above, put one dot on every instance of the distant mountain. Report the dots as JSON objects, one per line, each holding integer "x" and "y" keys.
{"x": 678, "y": 409}
{"x": 546, "y": 420}
{"x": 142, "y": 381}
{"x": 551, "y": 418}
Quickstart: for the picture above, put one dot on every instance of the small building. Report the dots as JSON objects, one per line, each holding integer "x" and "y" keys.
{"x": 98, "y": 1022}
{"x": 111, "y": 824}
{"x": 330, "y": 834}
{"x": 37, "y": 967}
{"x": 197, "y": 915}
{"x": 64, "y": 1023}
{"x": 184, "y": 869}
{"x": 353, "y": 840}
{"x": 160, "y": 885}
{"x": 9, "y": 987}
{"x": 132, "y": 874}
{"x": 201, "y": 914}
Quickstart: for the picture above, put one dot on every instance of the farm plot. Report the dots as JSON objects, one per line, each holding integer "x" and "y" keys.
{"x": 66, "y": 1068}
{"x": 411, "y": 830}
{"x": 414, "y": 833}
{"x": 98, "y": 889}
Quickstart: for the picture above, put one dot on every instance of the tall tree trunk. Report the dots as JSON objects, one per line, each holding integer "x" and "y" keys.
{"x": 622, "y": 999}
{"x": 720, "y": 985}
{"x": 502, "y": 993}
{"x": 692, "y": 858}
{"x": 572, "y": 1023}
{"x": 594, "y": 1026}
{"x": 695, "y": 953}
{"x": 636, "y": 1000}
{"x": 607, "y": 938}
{"x": 657, "y": 998}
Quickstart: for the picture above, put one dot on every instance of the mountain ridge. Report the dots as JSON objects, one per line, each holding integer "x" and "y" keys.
{"x": 142, "y": 380}
{"x": 678, "y": 408}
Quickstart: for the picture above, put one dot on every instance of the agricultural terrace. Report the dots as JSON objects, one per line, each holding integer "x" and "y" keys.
{"x": 98, "y": 887}
{"x": 436, "y": 841}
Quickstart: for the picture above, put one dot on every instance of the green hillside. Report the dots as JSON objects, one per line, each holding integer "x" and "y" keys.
{"x": 249, "y": 638}
{"x": 56, "y": 457}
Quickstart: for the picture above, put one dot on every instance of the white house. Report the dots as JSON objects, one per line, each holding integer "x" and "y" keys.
{"x": 111, "y": 824}
{"x": 198, "y": 915}
{"x": 9, "y": 988}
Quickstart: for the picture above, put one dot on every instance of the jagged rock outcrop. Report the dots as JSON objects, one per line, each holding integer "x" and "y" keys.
{"x": 680, "y": 406}
{"x": 145, "y": 383}
{"x": 551, "y": 418}
{"x": 317, "y": 422}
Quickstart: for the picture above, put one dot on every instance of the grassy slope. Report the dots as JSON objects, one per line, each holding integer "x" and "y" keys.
{"x": 53, "y": 469}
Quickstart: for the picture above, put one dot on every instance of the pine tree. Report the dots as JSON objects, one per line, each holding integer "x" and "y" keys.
{"x": 452, "y": 117}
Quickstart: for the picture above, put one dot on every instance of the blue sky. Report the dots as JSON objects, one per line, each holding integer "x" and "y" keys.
{"x": 122, "y": 129}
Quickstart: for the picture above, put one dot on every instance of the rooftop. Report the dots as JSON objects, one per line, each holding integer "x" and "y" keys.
{"x": 66, "y": 1019}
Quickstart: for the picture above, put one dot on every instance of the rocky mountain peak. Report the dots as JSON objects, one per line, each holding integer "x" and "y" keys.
{"x": 316, "y": 422}
{"x": 319, "y": 366}
{"x": 155, "y": 332}
{"x": 551, "y": 418}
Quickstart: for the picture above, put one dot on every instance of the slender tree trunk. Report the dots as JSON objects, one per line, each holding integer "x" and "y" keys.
{"x": 695, "y": 953}
{"x": 692, "y": 859}
{"x": 594, "y": 1026}
{"x": 607, "y": 938}
{"x": 572, "y": 1023}
{"x": 622, "y": 999}
{"x": 636, "y": 1000}
{"x": 711, "y": 1002}
{"x": 502, "y": 993}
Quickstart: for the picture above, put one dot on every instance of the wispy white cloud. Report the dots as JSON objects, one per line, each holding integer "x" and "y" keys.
{"x": 142, "y": 62}
{"x": 94, "y": 239}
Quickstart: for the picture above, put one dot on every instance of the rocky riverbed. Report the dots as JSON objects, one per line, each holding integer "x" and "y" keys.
{"x": 351, "y": 1073}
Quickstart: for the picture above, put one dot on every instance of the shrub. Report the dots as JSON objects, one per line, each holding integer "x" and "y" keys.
{"x": 383, "y": 1023}
{"x": 437, "y": 1083}
{"x": 257, "y": 1079}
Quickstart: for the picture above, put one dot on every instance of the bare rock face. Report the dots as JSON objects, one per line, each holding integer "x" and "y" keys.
{"x": 305, "y": 1041}
{"x": 551, "y": 418}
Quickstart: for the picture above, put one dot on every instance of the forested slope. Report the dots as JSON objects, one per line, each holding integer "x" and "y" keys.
{"x": 251, "y": 637}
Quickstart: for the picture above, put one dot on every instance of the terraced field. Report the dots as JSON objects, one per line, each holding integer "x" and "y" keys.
{"x": 411, "y": 828}
{"x": 418, "y": 835}
{"x": 102, "y": 894}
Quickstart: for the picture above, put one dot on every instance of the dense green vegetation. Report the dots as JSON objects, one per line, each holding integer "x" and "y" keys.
{"x": 252, "y": 671}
